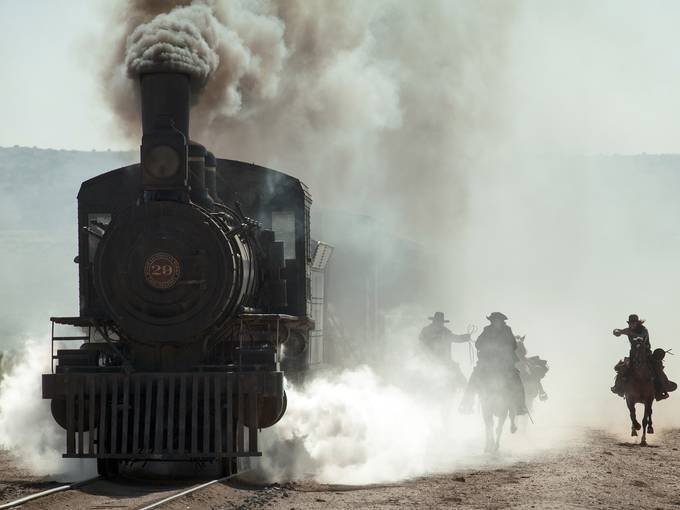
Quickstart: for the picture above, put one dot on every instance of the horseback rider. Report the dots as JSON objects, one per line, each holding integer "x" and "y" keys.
{"x": 437, "y": 338}
{"x": 531, "y": 370}
{"x": 636, "y": 329}
{"x": 496, "y": 348}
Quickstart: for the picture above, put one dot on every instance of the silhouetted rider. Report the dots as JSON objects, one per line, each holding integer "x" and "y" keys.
{"x": 496, "y": 348}
{"x": 636, "y": 329}
{"x": 436, "y": 340}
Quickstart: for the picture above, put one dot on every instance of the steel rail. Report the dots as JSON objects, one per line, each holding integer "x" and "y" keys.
{"x": 42, "y": 494}
{"x": 191, "y": 490}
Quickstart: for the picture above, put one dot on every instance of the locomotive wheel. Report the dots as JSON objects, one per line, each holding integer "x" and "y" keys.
{"x": 108, "y": 468}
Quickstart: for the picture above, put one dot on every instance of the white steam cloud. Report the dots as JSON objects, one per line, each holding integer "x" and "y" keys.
{"x": 395, "y": 420}
{"x": 355, "y": 428}
{"x": 26, "y": 424}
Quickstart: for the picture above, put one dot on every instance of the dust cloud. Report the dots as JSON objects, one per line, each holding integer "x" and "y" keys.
{"x": 392, "y": 420}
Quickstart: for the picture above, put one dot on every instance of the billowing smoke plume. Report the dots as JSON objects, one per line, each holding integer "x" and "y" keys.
{"x": 378, "y": 100}
{"x": 184, "y": 40}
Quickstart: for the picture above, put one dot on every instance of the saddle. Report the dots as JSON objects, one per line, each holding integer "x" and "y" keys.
{"x": 537, "y": 367}
{"x": 622, "y": 365}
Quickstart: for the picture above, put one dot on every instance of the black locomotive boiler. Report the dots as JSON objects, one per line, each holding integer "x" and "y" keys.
{"x": 195, "y": 276}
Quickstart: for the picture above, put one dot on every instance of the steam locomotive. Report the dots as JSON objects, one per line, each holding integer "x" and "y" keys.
{"x": 196, "y": 278}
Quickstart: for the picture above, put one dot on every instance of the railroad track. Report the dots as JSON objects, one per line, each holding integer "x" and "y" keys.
{"x": 48, "y": 492}
{"x": 179, "y": 493}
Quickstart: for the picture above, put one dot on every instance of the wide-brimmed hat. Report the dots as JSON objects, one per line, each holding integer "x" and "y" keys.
{"x": 634, "y": 318}
{"x": 438, "y": 317}
{"x": 497, "y": 316}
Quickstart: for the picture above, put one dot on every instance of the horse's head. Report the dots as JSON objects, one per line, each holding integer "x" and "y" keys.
{"x": 521, "y": 349}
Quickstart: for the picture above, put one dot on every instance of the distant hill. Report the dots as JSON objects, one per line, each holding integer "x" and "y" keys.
{"x": 38, "y": 216}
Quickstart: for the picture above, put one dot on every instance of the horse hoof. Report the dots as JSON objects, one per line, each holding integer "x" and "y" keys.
{"x": 650, "y": 430}
{"x": 643, "y": 443}
{"x": 633, "y": 432}
{"x": 637, "y": 426}
{"x": 513, "y": 428}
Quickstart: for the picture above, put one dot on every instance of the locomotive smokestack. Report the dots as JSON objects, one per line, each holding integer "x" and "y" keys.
{"x": 165, "y": 94}
{"x": 166, "y": 101}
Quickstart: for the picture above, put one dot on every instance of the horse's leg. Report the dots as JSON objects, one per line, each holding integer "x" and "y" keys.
{"x": 635, "y": 425}
{"x": 650, "y": 429}
{"x": 645, "y": 421}
{"x": 488, "y": 425}
{"x": 513, "y": 427}
{"x": 499, "y": 430}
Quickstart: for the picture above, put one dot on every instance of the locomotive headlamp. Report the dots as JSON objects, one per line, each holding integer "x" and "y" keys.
{"x": 164, "y": 159}
{"x": 162, "y": 162}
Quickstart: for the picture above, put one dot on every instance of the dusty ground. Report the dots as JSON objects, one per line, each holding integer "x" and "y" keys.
{"x": 16, "y": 483}
{"x": 599, "y": 471}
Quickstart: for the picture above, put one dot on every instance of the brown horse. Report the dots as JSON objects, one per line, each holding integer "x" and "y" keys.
{"x": 639, "y": 387}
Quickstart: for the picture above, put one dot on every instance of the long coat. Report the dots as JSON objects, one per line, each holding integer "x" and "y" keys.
{"x": 497, "y": 345}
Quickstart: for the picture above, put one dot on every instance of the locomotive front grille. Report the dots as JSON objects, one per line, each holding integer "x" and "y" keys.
{"x": 158, "y": 416}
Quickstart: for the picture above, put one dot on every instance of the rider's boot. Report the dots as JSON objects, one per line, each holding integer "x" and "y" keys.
{"x": 521, "y": 408}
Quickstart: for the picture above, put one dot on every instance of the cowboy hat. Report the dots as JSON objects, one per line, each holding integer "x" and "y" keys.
{"x": 438, "y": 317}
{"x": 634, "y": 318}
{"x": 497, "y": 316}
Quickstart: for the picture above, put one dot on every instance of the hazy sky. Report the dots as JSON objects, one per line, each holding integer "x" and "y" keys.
{"x": 580, "y": 76}
{"x": 49, "y": 91}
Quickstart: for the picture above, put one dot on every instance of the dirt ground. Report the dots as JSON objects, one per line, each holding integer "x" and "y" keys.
{"x": 16, "y": 483}
{"x": 599, "y": 471}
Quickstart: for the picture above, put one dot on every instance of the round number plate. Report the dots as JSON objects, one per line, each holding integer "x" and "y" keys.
{"x": 161, "y": 271}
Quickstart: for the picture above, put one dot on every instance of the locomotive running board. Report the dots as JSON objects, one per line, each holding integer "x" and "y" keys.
{"x": 136, "y": 416}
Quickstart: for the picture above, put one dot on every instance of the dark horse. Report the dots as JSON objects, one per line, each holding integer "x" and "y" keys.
{"x": 495, "y": 397}
{"x": 639, "y": 387}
